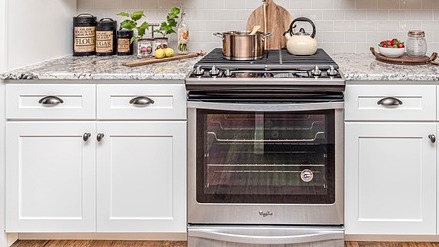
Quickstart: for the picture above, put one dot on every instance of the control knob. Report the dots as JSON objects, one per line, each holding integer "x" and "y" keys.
{"x": 316, "y": 71}
{"x": 198, "y": 71}
{"x": 214, "y": 71}
{"x": 331, "y": 71}
{"x": 227, "y": 73}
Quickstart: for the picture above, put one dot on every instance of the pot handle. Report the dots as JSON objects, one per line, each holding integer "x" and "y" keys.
{"x": 266, "y": 35}
{"x": 290, "y": 30}
{"x": 219, "y": 35}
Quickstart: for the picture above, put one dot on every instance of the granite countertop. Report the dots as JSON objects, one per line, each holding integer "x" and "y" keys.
{"x": 101, "y": 68}
{"x": 364, "y": 67}
{"x": 356, "y": 67}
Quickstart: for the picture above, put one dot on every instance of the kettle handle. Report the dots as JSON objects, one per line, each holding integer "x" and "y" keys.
{"x": 290, "y": 30}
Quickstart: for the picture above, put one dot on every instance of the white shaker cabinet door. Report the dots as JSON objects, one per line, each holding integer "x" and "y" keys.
{"x": 141, "y": 177}
{"x": 390, "y": 178}
{"x": 50, "y": 177}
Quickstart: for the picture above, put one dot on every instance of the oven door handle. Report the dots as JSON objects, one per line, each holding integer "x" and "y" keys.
{"x": 267, "y": 238}
{"x": 265, "y": 106}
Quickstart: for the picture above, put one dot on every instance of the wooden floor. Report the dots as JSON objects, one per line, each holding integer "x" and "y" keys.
{"x": 100, "y": 243}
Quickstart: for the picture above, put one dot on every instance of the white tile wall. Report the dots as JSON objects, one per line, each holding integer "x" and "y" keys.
{"x": 342, "y": 25}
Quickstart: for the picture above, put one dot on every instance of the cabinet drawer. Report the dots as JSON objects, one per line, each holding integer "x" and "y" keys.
{"x": 151, "y": 102}
{"x": 390, "y": 102}
{"x": 50, "y": 101}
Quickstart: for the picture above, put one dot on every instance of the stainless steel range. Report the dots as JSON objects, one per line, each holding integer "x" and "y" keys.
{"x": 265, "y": 161}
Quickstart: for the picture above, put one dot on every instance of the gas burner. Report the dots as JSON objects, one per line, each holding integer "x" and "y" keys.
{"x": 277, "y": 69}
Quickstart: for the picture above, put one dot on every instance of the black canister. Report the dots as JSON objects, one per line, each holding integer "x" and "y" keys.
{"x": 84, "y": 35}
{"x": 106, "y": 37}
{"x": 124, "y": 45}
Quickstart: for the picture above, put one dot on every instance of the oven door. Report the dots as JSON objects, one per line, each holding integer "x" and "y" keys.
{"x": 265, "y": 163}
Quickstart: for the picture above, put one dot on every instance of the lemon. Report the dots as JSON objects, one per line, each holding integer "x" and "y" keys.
{"x": 169, "y": 52}
{"x": 159, "y": 53}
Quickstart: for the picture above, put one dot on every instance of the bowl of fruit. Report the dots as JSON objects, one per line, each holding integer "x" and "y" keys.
{"x": 391, "y": 48}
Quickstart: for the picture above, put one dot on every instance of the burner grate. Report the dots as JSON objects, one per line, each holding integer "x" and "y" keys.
{"x": 273, "y": 59}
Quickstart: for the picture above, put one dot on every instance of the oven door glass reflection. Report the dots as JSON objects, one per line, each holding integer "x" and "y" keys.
{"x": 265, "y": 157}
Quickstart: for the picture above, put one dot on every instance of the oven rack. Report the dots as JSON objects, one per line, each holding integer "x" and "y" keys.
{"x": 245, "y": 141}
{"x": 311, "y": 127}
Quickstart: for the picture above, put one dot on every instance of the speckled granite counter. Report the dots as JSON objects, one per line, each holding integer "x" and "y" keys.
{"x": 356, "y": 67}
{"x": 364, "y": 67}
{"x": 101, "y": 68}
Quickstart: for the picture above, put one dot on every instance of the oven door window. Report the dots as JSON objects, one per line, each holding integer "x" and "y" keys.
{"x": 265, "y": 157}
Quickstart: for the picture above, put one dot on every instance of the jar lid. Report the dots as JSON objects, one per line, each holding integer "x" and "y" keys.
{"x": 84, "y": 19}
{"x": 107, "y": 22}
{"x": 416, "y": 33}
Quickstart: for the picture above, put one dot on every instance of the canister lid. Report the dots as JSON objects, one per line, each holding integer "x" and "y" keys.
{"x": 416, "y": 33}
{"x": 85, "y": 19}
{"x": 107, "y": 22}
{"x": 125, "y": 33}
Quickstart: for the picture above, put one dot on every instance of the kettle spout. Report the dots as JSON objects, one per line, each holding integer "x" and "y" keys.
{"x": 287, "y": 34}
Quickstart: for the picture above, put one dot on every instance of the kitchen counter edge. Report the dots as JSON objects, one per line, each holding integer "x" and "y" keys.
{"x": 361, "y": 68}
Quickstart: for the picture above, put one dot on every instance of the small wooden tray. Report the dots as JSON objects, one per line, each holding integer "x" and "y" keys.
{"x": 405, "y": 59}
{"x": 151, "y": 60}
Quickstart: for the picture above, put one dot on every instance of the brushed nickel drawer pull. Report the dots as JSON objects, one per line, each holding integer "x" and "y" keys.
{"x": 85, "y": 136}
{"x": 141, "y": 101}
{"x": 51, "y": 101}
{"x": 389, "y": 101}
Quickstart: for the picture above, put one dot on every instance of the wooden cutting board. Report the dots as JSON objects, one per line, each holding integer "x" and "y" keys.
{"x": 151, "y": 60}
{"x": 278, "y": 21}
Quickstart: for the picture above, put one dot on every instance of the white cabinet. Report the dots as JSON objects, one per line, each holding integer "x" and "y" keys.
{"x": 95, "y": 175}
{"x": 390, "y": 178}
{"x": 50, "y": 177}
{"x": 142, "y": 177}
{"x": 391, "y": 164}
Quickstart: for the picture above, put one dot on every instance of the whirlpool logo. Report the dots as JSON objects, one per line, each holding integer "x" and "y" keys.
{"x": 265, "y": 213}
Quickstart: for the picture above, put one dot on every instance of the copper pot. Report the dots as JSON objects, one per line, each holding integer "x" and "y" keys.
{"x": 243, "y": 45}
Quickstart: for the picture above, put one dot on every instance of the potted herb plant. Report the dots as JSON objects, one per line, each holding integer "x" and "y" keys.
{"x": 131, "y": 23}
{"x": 144, "y": 46}
{"x": 166, "y": 28}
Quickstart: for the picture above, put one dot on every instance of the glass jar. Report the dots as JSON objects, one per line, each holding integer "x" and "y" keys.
{"x": 183, "y": 35}
{"x": 416, "y": 45}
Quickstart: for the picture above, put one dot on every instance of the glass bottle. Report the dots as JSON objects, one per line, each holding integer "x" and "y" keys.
{"x": 183, "y": 35}
{"x": 416, "y": 45}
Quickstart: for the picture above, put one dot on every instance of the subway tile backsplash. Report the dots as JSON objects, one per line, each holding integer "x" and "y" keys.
{"x": 342, "y": 25}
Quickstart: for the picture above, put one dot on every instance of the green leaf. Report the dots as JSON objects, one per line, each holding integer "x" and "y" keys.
{"x": 137, "y": 15}
{"x": 128, "y": 24}
{"x": 133, "y": 39}
{"x": 142, "y": 28}
{"x": 126, "y": 14}
{"x": 175, "y": 11}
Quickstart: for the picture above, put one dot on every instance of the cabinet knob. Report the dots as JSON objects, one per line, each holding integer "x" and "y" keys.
{"x": 389, "y": 101}
{"x": 432, "y": 138}
{"x": 99, "y": 137}
{"x": 85, "y": 136}
{"x": 50, "y": 101}
{"x": 141, "y": 101}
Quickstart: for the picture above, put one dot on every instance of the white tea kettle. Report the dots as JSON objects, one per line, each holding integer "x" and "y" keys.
{"x": 301, "y": 43}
